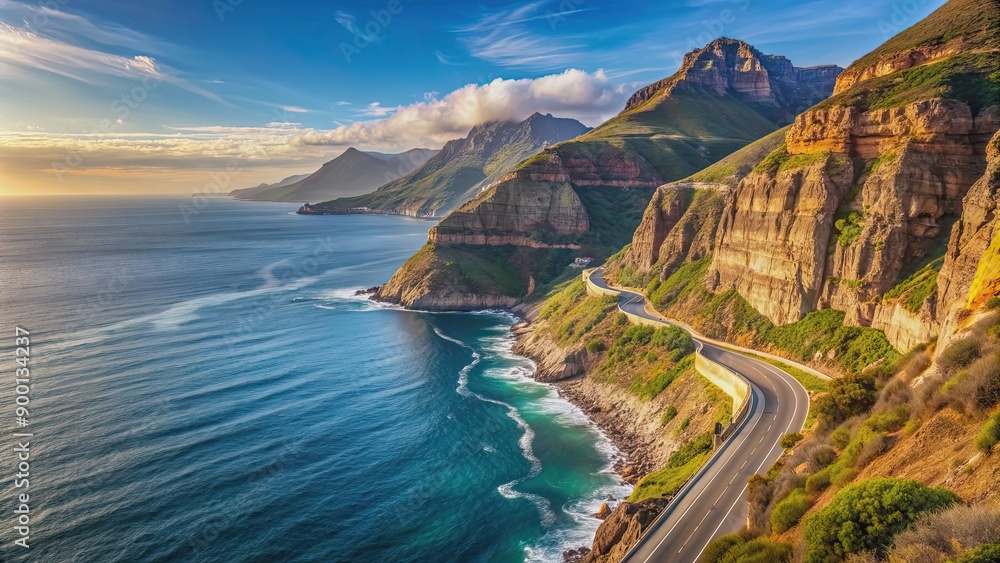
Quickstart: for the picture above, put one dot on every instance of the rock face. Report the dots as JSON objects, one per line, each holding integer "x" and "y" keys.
{"x": 971, "y": 271}
{"x": 773, "y": 243}
{"x": 622, "y": 528}
{"x": 463, "y": 168}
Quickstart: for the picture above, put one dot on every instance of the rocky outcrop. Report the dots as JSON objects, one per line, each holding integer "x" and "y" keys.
{"x": 732, "y": 66}
{"x": 894, "y": 62}
{"x": 516, "y": 207}
{"x": 971, "y": 271}
{"x": 679, "y": 226}
{"x": 623, "y": 528}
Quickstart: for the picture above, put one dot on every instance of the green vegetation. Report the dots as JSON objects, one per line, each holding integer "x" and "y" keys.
{"x": 989, "y": 553}
{"x": 878, "y": 161}
{"x": 571, "y": 314}
{"x": 772, "y": 163}
{"x": 849, "y": 229}
{"x": 655, "y": 386}
{"x": 733, "y": 168}
{"x": 728, "y": 315}
{"x": 914, "y": 290}
{"x": 691, "y": 449}
{"x": 989, "y": 436}
{"x": 867, "y": 515}
{"x": 789, "y": 440}
{"x": 848, "y": 396}
{"x": 669, "y": 414}
{"x": 733, "y": 548}
{"x": 789, "y": 511}
{"x": 668, "y": 480}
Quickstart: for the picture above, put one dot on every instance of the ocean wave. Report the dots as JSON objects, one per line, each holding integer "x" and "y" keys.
{"x": 507, "y": 490}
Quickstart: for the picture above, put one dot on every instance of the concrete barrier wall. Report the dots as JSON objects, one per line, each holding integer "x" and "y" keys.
{"x": 734, "y": 385}
{"x": 594, "y": 289}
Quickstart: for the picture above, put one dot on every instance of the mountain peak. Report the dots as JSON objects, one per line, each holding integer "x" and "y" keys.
{"x": 731, "y": 66}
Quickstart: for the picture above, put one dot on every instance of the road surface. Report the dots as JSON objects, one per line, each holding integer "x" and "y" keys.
{"x": 713, "y": 503}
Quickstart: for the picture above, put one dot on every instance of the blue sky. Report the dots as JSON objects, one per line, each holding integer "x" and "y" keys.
{"x": 284, "y": 86}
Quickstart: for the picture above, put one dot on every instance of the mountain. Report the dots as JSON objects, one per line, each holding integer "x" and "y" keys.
{"x": 248, "y": 193}
{"x": 352, "y": 173}
{"x": 462, "y": 168}
{"x": 587, "y": 195}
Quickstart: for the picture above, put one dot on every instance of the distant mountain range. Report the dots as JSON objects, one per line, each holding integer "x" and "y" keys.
{"x": 352, "y": 173}
{"x": 463, "y": 168}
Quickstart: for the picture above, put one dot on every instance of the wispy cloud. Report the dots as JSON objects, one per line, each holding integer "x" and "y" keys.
{"x": 295, "y": 109}
{"x": 504, "y": 38}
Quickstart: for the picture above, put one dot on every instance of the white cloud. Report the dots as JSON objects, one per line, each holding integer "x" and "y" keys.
{"x": 294, "y": 109}
{"x": 590, "y": 98}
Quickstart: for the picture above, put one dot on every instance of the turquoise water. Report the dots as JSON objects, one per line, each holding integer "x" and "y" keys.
{"x": 210, "y": 389}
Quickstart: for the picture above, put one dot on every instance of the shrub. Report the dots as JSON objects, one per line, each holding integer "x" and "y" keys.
{"x": 788, "y": 512}
{"x": 818, "y": 482}
{"x": 840, "y": 438}
{"x": 849, "y": 228}
{"x": 691, "y": 449}
{"x": 983, "y": 554}
{"x": 669, "y": 414}
{"x": 993, "y": 302}
{"x": 891, "y": 420}
{"x": 989, "y": 436}
{"x": 848, "y": 396}
{"x": 960, "y": 354}
{"x": 789, "y": 440}
{"x": 867, "y": 515}
{"x": 940, "y": 535}
{"x": 595, "y": 346}
{"x": 978, "y": 387}
{"x": 844, "y": 478}
{"x": 822, "y": 455}
{"x": 733, "y": 548}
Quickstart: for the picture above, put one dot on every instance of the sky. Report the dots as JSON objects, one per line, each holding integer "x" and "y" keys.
{"x": 191, "y": 96}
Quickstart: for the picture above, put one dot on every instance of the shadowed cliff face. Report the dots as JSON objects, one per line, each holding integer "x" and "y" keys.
{"x": 589, "y": 193}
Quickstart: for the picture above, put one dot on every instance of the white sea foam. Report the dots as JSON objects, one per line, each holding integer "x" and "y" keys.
{"x": 507, "y": 490}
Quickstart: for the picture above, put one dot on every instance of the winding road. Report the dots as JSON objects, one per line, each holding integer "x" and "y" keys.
{"x": 713, "y": 503}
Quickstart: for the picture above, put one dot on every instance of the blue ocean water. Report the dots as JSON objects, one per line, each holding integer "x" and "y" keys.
{"x": 206, "y": 387}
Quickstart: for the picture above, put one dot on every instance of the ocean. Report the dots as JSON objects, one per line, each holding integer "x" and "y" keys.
{"x": 207, "y": 387}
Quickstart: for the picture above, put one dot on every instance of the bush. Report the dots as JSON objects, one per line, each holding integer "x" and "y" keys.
{"x": 669, "y": 414}
{"x": 891, "y": 420}
{"x": 989, "y": 436}
{"x": 595, "y": 346}
{"x": 993, "y": 302}
{"x": 840, "y": 438}
{"x": 983, "y": 554}
{"x": 789, "y": 440}
{"x": 940, "y": 535}
{"x": 822, "y": 455}
{"x": 733, "y": 548}
{"x": 978, "y": 387}
{"x": 691, "y": 449}
{"x": 788, "y": 512}
{"x": 818, "y": 482}
{"x": 867, "y": 515}
{"x": 848, "y": 396}
{"x": 960, "y": 354}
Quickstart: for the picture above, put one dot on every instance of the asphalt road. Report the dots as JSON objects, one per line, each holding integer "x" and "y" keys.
{"x": 713, "y": 502}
